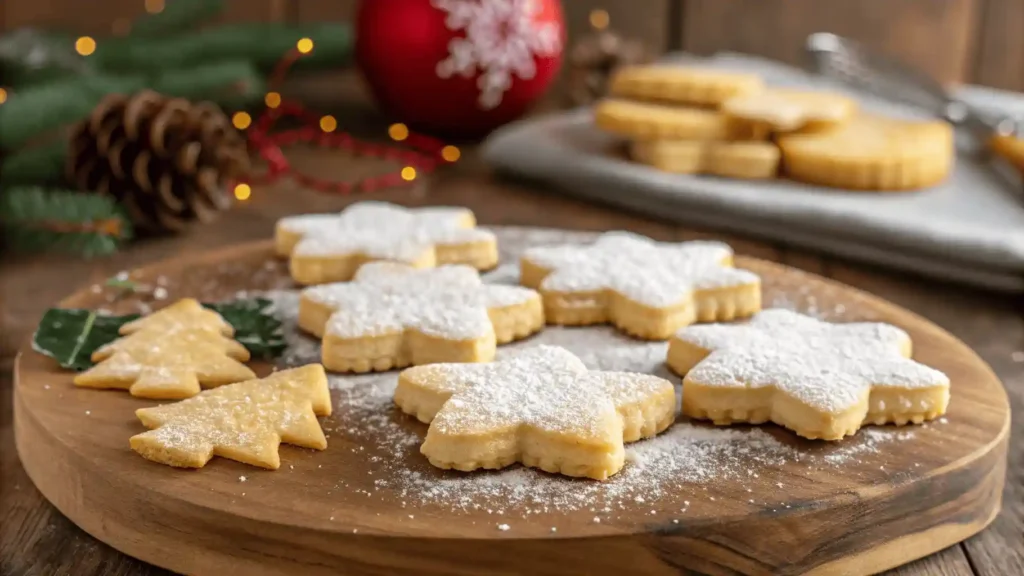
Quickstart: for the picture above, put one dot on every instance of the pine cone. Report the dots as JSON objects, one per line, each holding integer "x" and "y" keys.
{"x": 593, "y": 60}
{"x": 167, "y": 160}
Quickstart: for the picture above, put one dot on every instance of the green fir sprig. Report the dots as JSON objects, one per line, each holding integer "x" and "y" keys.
{"x": 35, "y": 219}
{"x": 70, "y": 335}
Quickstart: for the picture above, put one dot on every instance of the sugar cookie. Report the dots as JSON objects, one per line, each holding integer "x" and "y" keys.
{"x": 331, "y": 247}
{"x": 871, "y": 153}
{"x": 648, "y": 289}
{"x": 246, "y": 421}
{"x": 784, "y": 110}
{"x": 542, "y": 408}
{"x": 185, "y": 313}
{"x": 393, "y": 315}
{"x": 643, "y": 121}
{"x": 169, "y": 354}
{"x": 818, "y": 379}
{"x": 749, "y": 160}
{"x": 682, "y": 85}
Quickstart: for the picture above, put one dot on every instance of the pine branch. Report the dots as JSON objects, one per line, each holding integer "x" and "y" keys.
{"x": 176, "y": 16}
{"x": 37, "y": 166}
{"x": 38, "y": 220}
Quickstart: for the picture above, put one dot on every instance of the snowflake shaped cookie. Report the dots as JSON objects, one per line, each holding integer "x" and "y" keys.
{"x": 818, "y": 379}
{"x": 648, "y": 289}
{"x": 541, "y": 408}
{"x": 331, "y": 247}
{"x": 393, "y": 315}
{"x": 502, "y": 38}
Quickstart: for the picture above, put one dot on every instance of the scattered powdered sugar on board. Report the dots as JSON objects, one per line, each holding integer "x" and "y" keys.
{"x": 687, "y": 461}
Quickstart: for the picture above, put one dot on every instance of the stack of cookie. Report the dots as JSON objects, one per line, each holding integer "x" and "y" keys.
{"x": 730, "y": 124}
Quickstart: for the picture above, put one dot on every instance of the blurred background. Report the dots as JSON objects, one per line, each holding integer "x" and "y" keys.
{"x": 981, "y": 40}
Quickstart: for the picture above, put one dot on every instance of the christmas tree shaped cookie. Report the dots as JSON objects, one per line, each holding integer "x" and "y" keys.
{"x": 185, "y": 313}
{"x": 541, "y": 408}
{"x": 648, "y": 289}
{"x": 818, "y": 379}
{"x": 246, "y": 421}
{"x": 170, "y": 354}
{"x": 331, "y": 247}
{"x": 393, "y": 315}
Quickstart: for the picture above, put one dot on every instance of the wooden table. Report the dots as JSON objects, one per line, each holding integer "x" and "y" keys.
{"x": 36, "y": 540}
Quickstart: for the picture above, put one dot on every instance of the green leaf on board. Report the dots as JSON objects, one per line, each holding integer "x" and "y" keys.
{"x": 70, "y": 336}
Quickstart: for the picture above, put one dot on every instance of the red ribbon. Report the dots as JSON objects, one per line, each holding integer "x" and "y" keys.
{"x": 420, "y": 152}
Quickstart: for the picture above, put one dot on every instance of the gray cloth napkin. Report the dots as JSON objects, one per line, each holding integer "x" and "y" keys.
{"x": 969, "y": 229}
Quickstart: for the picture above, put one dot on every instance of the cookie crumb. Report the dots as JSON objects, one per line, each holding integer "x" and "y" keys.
{"x": 597, "y": 520}
{"x": 503, "y": 527}
{"x": 242, "y": 478}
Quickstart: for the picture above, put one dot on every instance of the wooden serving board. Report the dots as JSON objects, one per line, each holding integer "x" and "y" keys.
{"x": 740, "y": 500}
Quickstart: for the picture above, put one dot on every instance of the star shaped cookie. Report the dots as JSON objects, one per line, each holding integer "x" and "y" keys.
{"x": 818, "y": 379}
{"x": 645, "y": 288}
{"x": 393, "y": 315}
{"x": 246, "y": 421}
{"x": 541, "y": 408}
{"x": 331, "y": 247}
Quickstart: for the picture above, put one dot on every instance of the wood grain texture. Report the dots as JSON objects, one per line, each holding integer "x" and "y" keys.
{"x": 999, "y": 59}
{"x": 36, "y": 540}
{"x": 994, "y": 326}
{"x": 933, "y": 34}
{"x": 884, "y": 509}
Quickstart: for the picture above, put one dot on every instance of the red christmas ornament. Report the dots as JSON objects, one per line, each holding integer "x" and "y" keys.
{"x": 459, "y": 67}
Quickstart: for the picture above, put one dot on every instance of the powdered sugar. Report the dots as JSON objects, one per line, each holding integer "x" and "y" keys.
{"x": 651, "y": 273}
{"x": 543, "y": 387}
{"x": 449, "y": 302}
{"x": 692, "y": 469}
{"x": 381, "y": 230}
{"x": 826, "y": 366}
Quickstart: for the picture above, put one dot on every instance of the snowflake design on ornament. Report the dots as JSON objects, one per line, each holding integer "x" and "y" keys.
{"x": 502, "y": 39}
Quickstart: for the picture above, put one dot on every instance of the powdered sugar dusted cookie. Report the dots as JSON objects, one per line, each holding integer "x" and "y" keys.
{"x": 246, "y": 421}
{"x": 331, "y": 247}
{"x": 646, "y": 288}
{"x": 170, "y": 354}
{"x": 393, "y": 315}
{"x": 542, "y": 408}
{"x": 818, "y": 379}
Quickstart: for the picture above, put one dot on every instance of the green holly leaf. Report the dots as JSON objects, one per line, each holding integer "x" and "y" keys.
{"x": 70, "y": 336}
{"x": 255, "y": 325}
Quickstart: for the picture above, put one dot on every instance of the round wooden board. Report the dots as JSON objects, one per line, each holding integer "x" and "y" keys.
{"x": 717, "y": 501}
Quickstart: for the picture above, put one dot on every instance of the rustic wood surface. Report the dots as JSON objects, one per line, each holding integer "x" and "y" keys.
{"x": 976, "y": 41}
{"x": 905, "y": 501}
{"x": 35, "y": 539}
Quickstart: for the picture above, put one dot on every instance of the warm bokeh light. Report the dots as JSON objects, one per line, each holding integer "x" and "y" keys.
{"x": 305, "y": 45}
{"x": 85, "y": 45}
{"x": 408, "y": 173}
{"x": 328, "y": 124}
{"x": 241, "y": 120}
{"x": 272, "y": 99}
{"x": 450, "y": 153}
{"x": 154, "y": 6}
{"x": 398, "y": 132}
{"x": 243, "y": 191}
{"x": 599, "y": 19}
{"x": 3, "y": 95}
